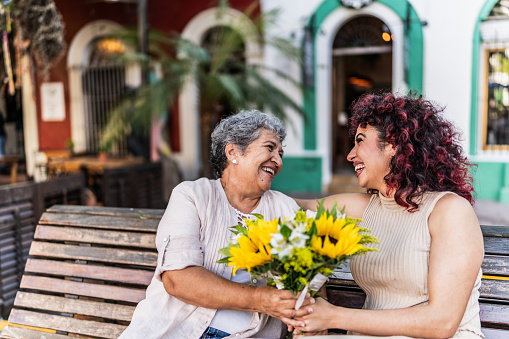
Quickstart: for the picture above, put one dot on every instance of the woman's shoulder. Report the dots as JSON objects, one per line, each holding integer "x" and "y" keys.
{"x": 454, "y": 211}
{"x": 276, "y": 197}
{"x": 201, "y": 187}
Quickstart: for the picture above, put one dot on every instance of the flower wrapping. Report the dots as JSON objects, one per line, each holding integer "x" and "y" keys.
{"x": 300, "y": 252}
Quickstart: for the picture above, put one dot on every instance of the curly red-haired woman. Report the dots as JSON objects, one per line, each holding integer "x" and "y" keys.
{"x": 424, "y": 280}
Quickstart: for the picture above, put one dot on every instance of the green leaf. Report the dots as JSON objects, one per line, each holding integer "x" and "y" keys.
{"x": 258, "y": 216}
{"x": 320, "y": 209}
{"x": 239, "y": 229}
{"x": 313, "y": 230}
{"x": 223, "y": 261}
{"x": 286, "y": 231}
{"x": 334, "y": 211}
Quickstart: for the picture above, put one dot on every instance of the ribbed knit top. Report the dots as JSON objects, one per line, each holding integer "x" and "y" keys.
{"x": 397, "y": 275}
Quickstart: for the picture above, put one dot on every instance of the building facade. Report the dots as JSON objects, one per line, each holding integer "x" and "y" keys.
{"x": 456, "y": 56}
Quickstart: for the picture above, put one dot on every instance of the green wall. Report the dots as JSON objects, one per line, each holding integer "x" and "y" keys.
{"x": 299, "y": 174}
{"x": 491, "y": 181}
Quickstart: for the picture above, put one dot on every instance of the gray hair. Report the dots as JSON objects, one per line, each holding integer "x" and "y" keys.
{"x": 241, "y": 129}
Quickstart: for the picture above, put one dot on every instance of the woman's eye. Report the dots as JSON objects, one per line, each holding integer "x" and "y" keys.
{"x": 358, "y": 140}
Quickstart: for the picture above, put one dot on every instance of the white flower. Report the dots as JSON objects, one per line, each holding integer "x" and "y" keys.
{"x": 235, "y": 238}
{"x": 285, "y": 251}
{"x": 277, "y": 280}
{"x": 310, "y": 214}
{"x": 298, "y": 238}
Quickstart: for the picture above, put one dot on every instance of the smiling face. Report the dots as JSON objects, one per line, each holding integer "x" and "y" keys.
{"x": 370, "y": 160}
{"x": 259, "y": 164}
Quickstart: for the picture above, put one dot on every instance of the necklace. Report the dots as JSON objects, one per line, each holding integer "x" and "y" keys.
{"x": 241, "y": 216}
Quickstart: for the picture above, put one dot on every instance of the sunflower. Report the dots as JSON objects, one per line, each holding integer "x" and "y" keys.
{"x": 336, "y": 238}
{"x": 254, "y": 249}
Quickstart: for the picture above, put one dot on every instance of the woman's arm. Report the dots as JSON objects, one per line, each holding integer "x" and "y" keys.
{"x": 354, "y": 203}
{"x": 200, "y": 287}
{"x": 455, "y": 258}
{"x": 181, "y": 260}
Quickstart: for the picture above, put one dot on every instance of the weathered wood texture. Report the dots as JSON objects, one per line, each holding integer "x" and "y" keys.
{"x": 21, "y": 205}
{"x": 88, "y": 268}
{"x": 494, "y": 292}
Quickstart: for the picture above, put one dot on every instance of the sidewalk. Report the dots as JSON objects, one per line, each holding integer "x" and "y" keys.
{"x": 492, "y": 213}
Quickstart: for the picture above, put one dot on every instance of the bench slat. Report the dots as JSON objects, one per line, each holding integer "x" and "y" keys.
{"x": 100, "y": 221}
{"x": 494, "y": 289}
{"x": 101, "y": 254}
{"x": 497, "y": 246}
{"x": 74, "y": 306}
{"x": 493, "y": 265}
{"x": 494, "y": 314}
{"x": 495, "y": 231}
{"x": 95, "y": 236}
{"x": 492, "y": 333}
{"x": 66, "y": 324}
{"x": 20, "y": 332}
{"x": 110, "y": 292}
{"x": 107, "y": 273}
{"x": 111, "y": 211}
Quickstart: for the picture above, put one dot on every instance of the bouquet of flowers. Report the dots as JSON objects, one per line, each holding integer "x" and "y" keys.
{"x": 300, "y": 253}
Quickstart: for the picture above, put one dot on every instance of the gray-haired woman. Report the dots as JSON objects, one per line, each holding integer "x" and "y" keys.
{"x": 191, "y": 295}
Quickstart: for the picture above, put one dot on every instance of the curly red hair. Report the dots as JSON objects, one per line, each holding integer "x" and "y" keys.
{"x": 428, "y": 155}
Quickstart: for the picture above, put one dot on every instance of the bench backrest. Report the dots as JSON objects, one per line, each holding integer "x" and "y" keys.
{"x": 90, "y": 266}
{"x": 87, "y": 270}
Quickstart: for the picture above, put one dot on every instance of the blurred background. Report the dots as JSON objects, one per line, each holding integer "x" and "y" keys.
{"x": 111, "y": 103}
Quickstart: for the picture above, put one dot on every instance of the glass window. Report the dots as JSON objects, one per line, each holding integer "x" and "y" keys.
{"x": 497, "y": 100}
{"x": 500, "y": 10}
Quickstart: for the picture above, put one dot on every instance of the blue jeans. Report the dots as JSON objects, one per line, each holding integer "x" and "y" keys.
{"x": 213, "y": 333}
{"x": 2, "y": 145}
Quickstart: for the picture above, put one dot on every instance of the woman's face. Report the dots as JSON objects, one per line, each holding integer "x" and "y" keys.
{"x": 370, "y": 160}
{"x": 260, "y": 163}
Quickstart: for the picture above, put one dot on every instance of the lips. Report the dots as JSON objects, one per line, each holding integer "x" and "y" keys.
{"x": 358, "y": 169}
{"x": 269, "y": 170}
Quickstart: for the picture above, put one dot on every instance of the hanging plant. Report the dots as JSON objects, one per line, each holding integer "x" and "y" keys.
{"x": 42, "y": 27}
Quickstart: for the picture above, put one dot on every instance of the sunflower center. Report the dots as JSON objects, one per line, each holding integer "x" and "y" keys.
{"x": 334, "y": 241}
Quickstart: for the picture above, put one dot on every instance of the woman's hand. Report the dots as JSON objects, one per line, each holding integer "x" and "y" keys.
{"x": 279, "y": 303}
{"x": 316, "y": 317}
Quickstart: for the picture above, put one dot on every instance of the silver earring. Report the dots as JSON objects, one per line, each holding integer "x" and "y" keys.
{"x": 234, "y": 161}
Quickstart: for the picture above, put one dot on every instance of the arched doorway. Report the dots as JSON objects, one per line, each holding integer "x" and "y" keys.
{"x": 213, "y": 105}
{"x": 189, "y": 157}
{"x": 361, "y": 62}
{"x": 78, "y": 59}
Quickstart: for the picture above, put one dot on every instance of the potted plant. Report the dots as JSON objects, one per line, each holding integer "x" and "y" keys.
{"x": 69, "y": 145}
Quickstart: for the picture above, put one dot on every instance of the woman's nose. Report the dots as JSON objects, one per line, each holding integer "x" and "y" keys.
{"x": 277, "y": 159}
{"x": 352, "y": 154}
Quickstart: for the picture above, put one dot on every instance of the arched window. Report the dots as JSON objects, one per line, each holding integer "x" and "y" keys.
{"x": 495, "y": 64}
{"x": 103, "y": 87}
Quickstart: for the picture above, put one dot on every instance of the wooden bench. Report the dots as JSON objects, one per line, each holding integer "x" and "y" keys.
{"x": 494, "y": 298}
{"x": 89, "y": 266}
{"x": 87, "y": 269}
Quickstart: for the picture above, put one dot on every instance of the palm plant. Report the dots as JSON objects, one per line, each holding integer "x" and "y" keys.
{"x": 225, "y": 81}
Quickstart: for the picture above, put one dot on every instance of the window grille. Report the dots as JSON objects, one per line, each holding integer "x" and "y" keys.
{"x": 496, "y": 117}
{"x": 104, "y": 86}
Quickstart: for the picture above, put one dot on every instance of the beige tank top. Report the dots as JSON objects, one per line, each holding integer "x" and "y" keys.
{"x": 397, "y": 275}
